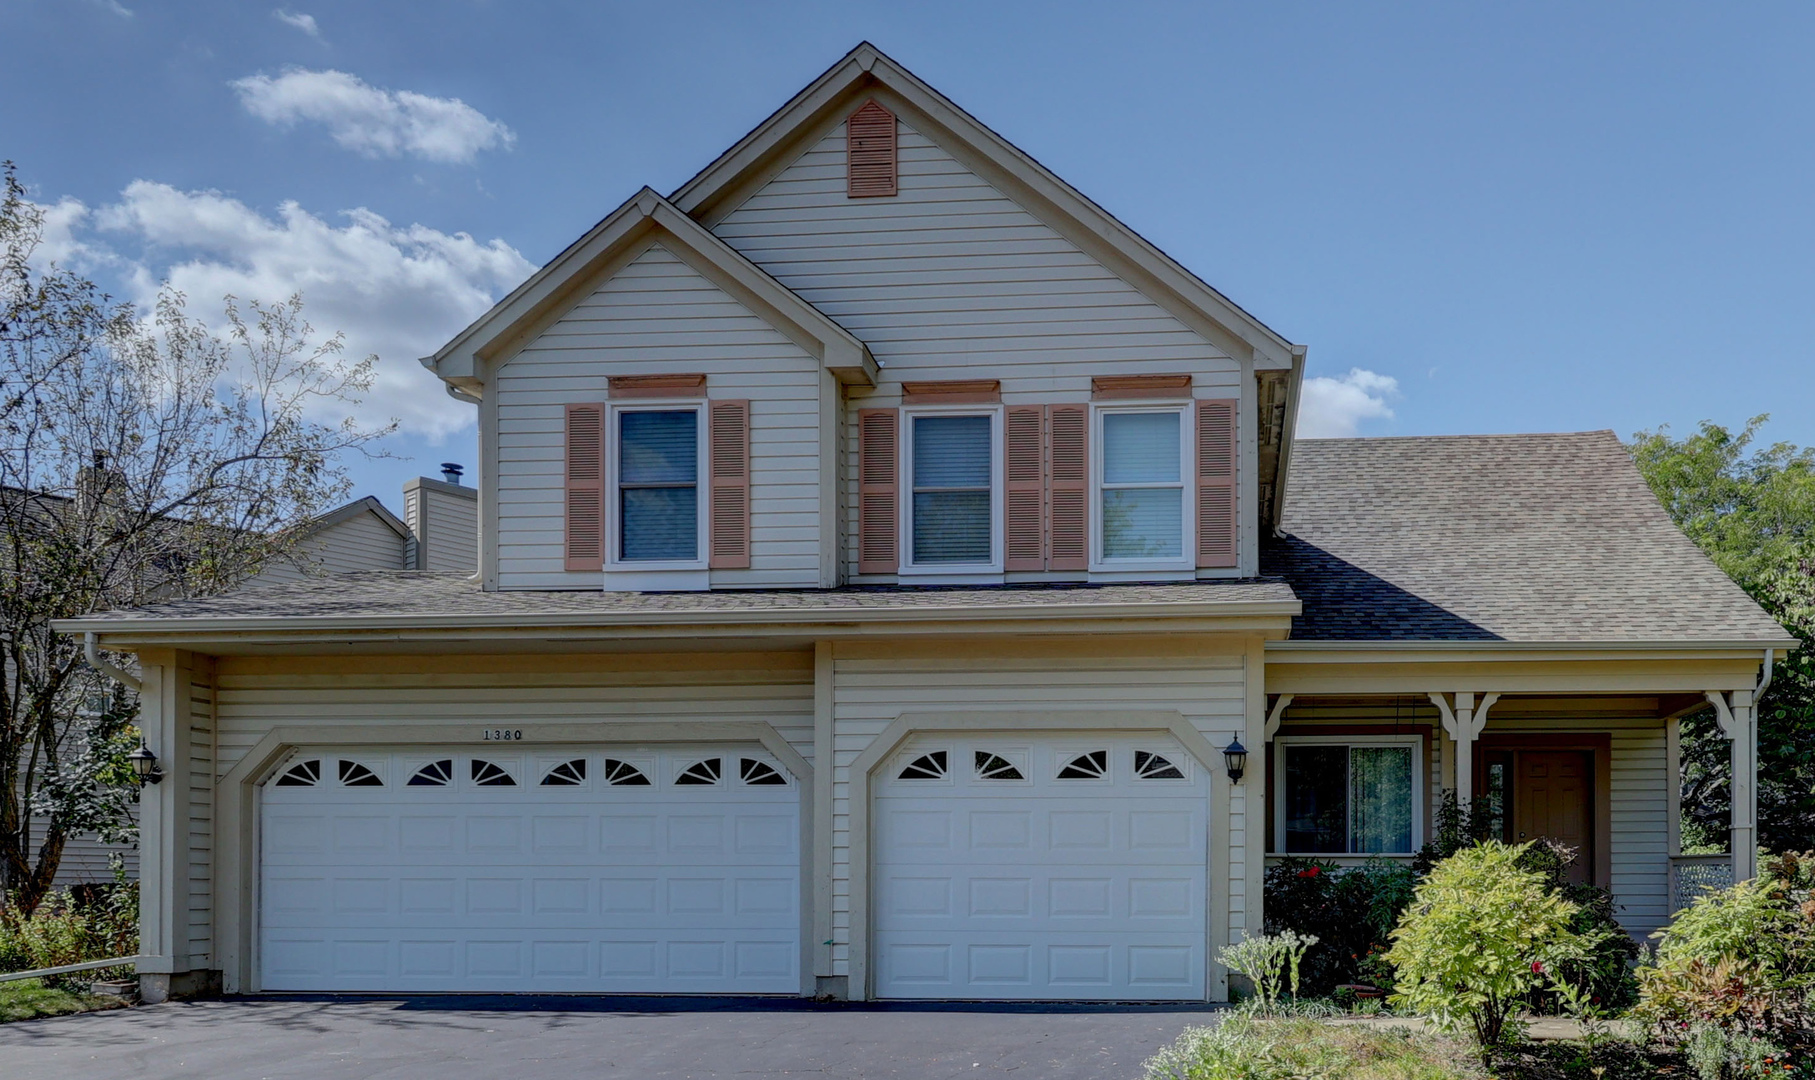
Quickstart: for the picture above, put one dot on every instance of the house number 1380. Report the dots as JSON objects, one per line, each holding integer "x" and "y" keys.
{"x": 503, "y": 735}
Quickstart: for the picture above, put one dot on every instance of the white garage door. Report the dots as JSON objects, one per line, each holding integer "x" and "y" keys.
{"x": 656, "y": 871}
{"x": 1041, "y": 868}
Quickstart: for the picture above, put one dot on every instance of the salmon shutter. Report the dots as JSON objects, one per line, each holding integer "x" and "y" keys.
{"x": 869, "y": 141}
{"x": 730, "y": 539}
{"x": 585, "y": 483}
{"x": 1216, "y": 531}
{"x": 1068, "y": 470}
{"x": 1024, "y": 531}
{"x": 877, "y": 472}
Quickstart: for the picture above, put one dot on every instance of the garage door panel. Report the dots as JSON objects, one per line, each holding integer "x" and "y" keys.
{"x": 1048, "y": 887}
{"x": 577, "y": 887}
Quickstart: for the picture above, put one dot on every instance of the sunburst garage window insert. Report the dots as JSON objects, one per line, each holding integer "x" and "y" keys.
{"x": 952, "y": 498}
{"x": 657, "y": 502}
{"x": 1355, "y": 796}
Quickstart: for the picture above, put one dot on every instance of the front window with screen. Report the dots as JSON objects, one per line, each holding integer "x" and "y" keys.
{"x": 1143, "y": 490}
{"x": 658, "y": 485}
{"x": 1347, "y": 800}
{"x": 952, "y": 474}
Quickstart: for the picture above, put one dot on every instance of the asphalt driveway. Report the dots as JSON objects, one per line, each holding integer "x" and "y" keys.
{"x": 513, "y": 1038}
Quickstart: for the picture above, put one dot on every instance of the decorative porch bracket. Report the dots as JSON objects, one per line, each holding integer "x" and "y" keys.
{"x": 1275, "y": 714}
{"x": 1463, "y": 720}
{"x": 1738, "y": 719}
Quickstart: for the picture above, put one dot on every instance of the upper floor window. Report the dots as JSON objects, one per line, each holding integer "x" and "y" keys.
{"x": 658, "y": 495}
{"x": 951, "y": 500}
{"x": 1143, "y": 515}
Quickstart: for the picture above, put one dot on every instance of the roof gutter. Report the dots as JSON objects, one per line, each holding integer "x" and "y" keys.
{"x": 1491, "y": 645}
{"x": 91, "y": 649}
{"x": 521, "y": 621}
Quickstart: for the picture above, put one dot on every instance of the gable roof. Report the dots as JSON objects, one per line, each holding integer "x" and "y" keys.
{"x": 367, "y": 505}
{"x": 643, "y": 219}
{"x": 1517, "y": 538}
{"x": 865, "y": 72}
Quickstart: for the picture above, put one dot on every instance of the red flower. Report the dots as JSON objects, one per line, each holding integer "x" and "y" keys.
{"x": 1309, "y": 872}
{"x": 1537, "y": 966}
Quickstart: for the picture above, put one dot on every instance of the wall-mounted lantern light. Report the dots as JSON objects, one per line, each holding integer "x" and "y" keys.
{"x": 1235, "y": 756}
{"x": 145, "y": 764}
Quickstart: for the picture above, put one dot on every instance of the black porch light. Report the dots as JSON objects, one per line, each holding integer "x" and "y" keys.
{"x": 145, "y": 764}
{"x": 1235, "y": 756}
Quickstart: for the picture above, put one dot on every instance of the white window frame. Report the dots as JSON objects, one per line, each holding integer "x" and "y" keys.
{"x": 905, "y": 497}
{"x": 1419, "y": 767}
{"x": 702, "y": 487}
{"x": 1187, "y": 445}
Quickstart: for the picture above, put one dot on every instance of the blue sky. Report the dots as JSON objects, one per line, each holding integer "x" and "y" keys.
{"x": 1521, "y": 217}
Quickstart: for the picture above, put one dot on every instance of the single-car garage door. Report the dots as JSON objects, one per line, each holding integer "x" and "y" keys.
{"x": 1027, "y": 868}
{"x": 633, "y": 871}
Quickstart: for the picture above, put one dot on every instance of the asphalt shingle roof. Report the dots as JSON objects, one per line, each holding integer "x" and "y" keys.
{"x": 403, "y": 594}
{"x": 1494, "y": 537}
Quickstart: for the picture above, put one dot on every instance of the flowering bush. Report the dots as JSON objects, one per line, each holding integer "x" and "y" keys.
{"x": 1351, "y": 913}
{"x": 1480, "y": 935}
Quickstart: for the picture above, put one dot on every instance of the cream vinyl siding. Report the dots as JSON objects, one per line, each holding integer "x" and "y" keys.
{"x": 874, "y": 684}
{"x": 361, "y": 542}
{"x": 658, "y": 316}
{"x": 257, "y": 695}
{"x": 951, "y": 279}
{"x": 198, "y": 861}
{"x": 1641, "y": 842}
{"x": 85, "y": 860}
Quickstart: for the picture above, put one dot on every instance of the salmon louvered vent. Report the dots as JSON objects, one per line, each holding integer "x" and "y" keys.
{"x": 1068, "y": 467}
{"x": 730, "y": 508}
{"x": 870, "y": 152}
{"x": 877, "y": 477}
{"x": 1024, "y": 527}
{"x": 585, "y": 487}
{"x": 1217, "y": 533}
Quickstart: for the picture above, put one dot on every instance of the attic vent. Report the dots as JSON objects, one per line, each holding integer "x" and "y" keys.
{"x": 869, "y": 136}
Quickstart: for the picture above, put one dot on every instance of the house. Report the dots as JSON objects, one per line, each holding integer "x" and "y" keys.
{"x": 439, "y": 531}
{"x": 885, "y": 559}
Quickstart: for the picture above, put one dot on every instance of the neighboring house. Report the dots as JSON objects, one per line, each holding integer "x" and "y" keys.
{"x": 440, "y": 533}
{"x": 881, "y": 549}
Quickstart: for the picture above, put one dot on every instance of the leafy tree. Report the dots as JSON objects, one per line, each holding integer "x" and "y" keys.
{"x": 140, "y": 460}
{"x": 1752, "y": 509}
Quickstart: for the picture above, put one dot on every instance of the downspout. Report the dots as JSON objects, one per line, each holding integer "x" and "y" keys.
{"x": 92, "y": 651}
{"x": 1764, "y": 682}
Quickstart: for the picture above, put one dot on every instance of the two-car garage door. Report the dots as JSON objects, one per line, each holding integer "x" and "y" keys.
{"x": 655, "y": 871}
{"x": 1018, "y": 867}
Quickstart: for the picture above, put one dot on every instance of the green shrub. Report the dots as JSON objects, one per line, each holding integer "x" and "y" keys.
{"x": 1481, "y": 934}
{"x": 1604, "y": 977}
{"x": 1736, "y": 970}
{"x": 1351, "y": 912}
{"x": 64, "y": 930}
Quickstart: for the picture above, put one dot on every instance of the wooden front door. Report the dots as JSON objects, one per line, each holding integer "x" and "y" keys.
{"x": 1553, "y": 798}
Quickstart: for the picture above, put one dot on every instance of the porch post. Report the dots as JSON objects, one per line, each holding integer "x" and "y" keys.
{"x": 1738, "y": 721}
{"x": 1464, "y": 721}
{"x": 1744, "y": 758}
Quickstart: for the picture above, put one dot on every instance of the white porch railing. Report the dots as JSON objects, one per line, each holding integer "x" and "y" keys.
{"x": 1692, "y": 875}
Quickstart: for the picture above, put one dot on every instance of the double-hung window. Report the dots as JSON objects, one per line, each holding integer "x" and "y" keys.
{"x": 1143, "y": 518}
{"x": 951, "y": 499}
{"x": 1358, "y": 796}
{"x": 657, "y": 498}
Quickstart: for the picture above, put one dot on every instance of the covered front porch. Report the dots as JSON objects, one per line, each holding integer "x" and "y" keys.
{"x": 1366, "y": 743}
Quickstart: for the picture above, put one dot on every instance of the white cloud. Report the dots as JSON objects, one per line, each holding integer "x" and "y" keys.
{"x": 397, "y": 291}
{"x": 373, "y": 121}
{"x": 299, "y": 20}
{"x": 1333, "y": 408}
{"x": 115, "y": 7}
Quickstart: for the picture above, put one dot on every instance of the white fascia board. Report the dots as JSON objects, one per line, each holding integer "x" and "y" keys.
{"x": 1350, "y": 652}
{"x": 644, "y": 218}
{"x": 865, "y": 70}
{"x": 1246, "y": 616}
